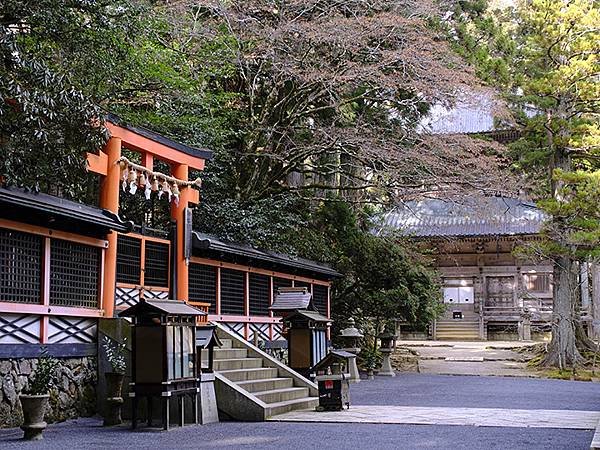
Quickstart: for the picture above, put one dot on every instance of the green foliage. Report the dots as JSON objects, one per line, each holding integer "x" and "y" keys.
{"x": 550, "y": 49}
{"x": 50, "y": 51}
{"x": 370, "y": 358}
{"x": 575, "y": 228}
{"x": 382, "y": 279}
{"x": 479, "y": 37}
{"x": 115, "y": 353}
{"x": 44, "y": 376}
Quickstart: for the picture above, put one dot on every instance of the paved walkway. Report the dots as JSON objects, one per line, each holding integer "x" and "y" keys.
{"x": 469, "y": 357}
{"x": 420, "y": 390}
{"x": 412, "y": 398}
{"x": 518, "y": 405}
{"x": 480, "y": 417}
{"x": 88, "y": 434}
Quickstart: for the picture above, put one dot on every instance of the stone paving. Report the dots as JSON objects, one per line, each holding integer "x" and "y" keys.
{"x": 481, "y": 417}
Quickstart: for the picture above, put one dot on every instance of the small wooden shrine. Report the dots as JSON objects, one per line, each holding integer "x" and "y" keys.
{"x": 307, "y": 339}
{"x": 164, "y": 357}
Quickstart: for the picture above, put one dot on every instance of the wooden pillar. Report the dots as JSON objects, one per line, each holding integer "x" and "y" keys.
{"x": 271, "y": 333}
{"x": 218, "y": 294}
{"x": 109, "y": 199}
{"x": 45, "y": 320}
{"x": 180, "y": 171}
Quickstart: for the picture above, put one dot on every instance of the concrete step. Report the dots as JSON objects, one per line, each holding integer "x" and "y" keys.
{"x": 282, "y": 395}
{"x": 226, "y": 343}
{"x": 230, "y": 353}
{"x": 274, "y": 409}
{"x": 457, "y": 326}
{"x": 236, "y": 363}
{"x": 458, "y": 330}
{"x": 246, "y": 390}
{"x": 267, "y": 384}
{"x": 237, "y": 375}
{"x": 454, "y": 323}
{"x": 457, "y": 337}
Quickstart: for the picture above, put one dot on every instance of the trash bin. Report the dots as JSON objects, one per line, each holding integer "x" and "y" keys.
{"x": 334, "y": 392}
{"x": 333, "y": 381}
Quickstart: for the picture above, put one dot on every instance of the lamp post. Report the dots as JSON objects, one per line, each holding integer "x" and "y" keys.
{"x": 351, "y": 337}
{"x": 388, "y": 343}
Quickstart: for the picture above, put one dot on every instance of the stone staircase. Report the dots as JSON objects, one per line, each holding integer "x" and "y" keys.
{"x": 465, "y": 329}
{"x": 457, "y": 330}
{"x": 253, "y": 386}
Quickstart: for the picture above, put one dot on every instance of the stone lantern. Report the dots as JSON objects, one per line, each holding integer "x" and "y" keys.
{"x": 388, "y": 343}
{"x": 351, "y": 337}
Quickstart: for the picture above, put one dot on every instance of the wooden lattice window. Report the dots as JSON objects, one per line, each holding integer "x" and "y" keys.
{"x": 279, "y": 283}
{"x": 538, "y": 282}
{"x": 302, "y": 284}
{"x": 320, "y": 298}
{"x": 233, "y": 285}
{"x": 203, "y": 285}
{"x": 129, "y": 257}
{"x": 20, "y": 267}
{"x": 259, "y": 294}
{"x": 74, "y": 272}
{"x": 156, "y": 266}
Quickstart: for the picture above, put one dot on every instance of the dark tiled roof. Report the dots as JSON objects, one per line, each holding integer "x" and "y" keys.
{"x": 175, "y": 307}
{"x": 51, "y": 209}
{"x": 206, "y": 336}
{"x": 153, "y": 136}
{"x": 309, "y": 315}
{"x": 290, "y": 299}
{"x": 482, "y": 216}
{"x": 203, "y": 241}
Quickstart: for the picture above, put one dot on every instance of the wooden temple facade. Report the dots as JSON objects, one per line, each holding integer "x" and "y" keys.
{"x": 65, "y": 265}
{"x": 487, "y": 290}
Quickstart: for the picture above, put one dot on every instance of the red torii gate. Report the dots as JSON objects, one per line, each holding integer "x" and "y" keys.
{"x": 180, "y": 158}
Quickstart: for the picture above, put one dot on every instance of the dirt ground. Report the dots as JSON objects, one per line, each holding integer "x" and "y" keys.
{"x": 498, "y": 358}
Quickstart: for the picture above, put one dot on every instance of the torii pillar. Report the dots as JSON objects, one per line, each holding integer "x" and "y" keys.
{"x": 151, "y": 146}
{"x": 187, "y": 196}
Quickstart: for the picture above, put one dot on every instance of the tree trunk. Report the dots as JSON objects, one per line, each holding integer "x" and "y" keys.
{"x": 567, "y": 332}
{"x": 562, "y": 351}
{"x": 595, "y": 269}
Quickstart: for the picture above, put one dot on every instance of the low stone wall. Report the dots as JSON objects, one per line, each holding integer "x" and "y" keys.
{"x": 73, "y": 396}
{"x": 404, "y": 360}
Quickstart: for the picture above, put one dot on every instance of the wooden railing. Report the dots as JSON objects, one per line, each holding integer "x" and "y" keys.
{"x": 515, "y": 313}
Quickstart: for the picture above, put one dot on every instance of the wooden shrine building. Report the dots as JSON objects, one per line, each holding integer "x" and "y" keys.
{"x": 488, "y": 291}
{"x": 53, "y": 256}
{"x": 65, "y": 264}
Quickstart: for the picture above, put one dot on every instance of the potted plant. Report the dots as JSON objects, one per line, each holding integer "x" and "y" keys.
{"x": 115, "y": 354}
{"x": 34, "y": 399}
{"x": 370, "y": 358}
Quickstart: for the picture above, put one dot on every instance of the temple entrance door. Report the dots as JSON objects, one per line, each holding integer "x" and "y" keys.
{"x": 459, "y": 298}
{"x": 500, "y": 291}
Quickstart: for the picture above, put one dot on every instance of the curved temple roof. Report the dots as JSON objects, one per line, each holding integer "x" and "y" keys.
{"x": 470, "y": 217}
{"x": 37, "y": 208}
